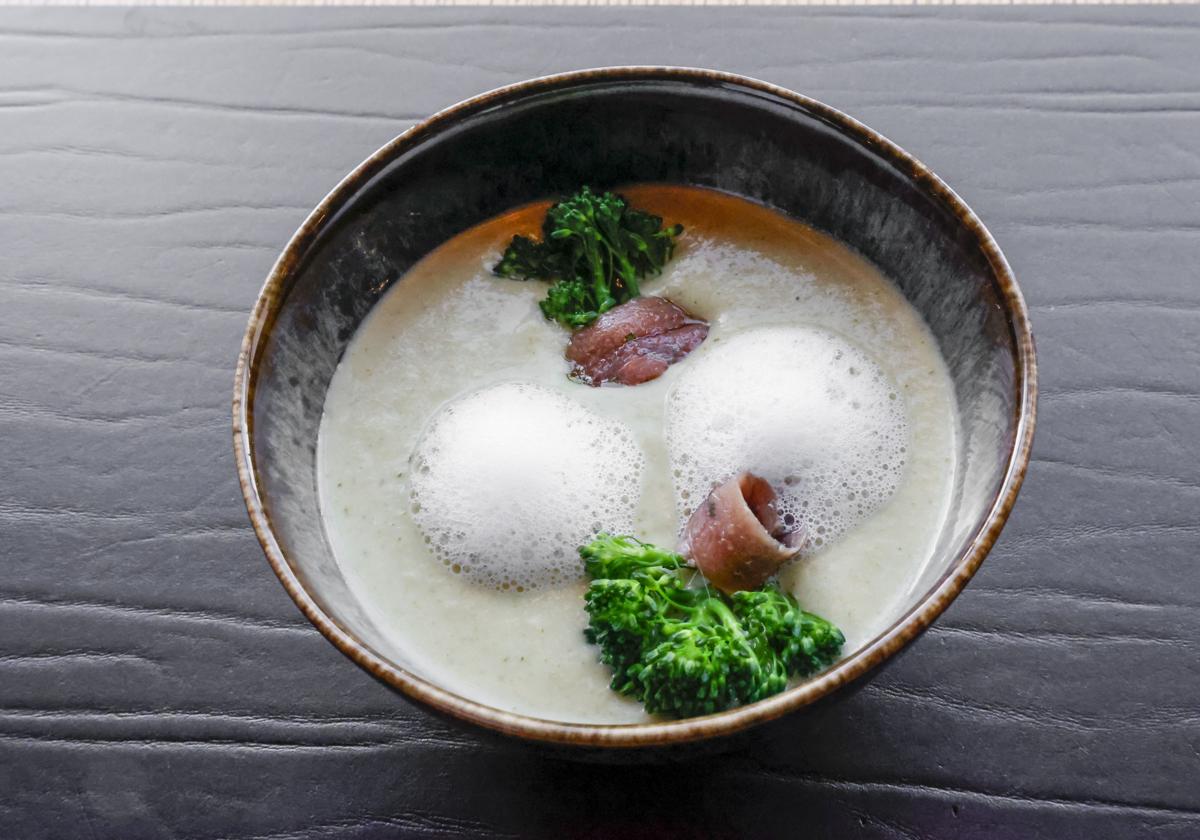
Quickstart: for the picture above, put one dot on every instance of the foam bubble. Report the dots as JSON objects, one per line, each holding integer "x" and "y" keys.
{"x": 803, "y": 408}
{"x": 506, "y": 481}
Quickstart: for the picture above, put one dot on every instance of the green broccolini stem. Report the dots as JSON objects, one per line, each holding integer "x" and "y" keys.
{"x": 716, "y": 607}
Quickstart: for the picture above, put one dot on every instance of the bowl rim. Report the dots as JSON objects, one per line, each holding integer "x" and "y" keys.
{"x": 909, "y": 625}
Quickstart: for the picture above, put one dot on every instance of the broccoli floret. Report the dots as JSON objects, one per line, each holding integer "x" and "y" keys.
{"x": 685, "y": 650}
{"x": 568, "y": 301}
{"x": 707, "y": 662}
{"x": 618, "y": 557}
{"x": 622, "y": 615}
{"x": 804, "y": 641}
{"x": 596, "y": 250}
{"x": 634, "y": 587}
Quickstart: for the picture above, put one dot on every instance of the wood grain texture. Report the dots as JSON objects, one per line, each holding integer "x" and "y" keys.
{"x": 155, "y": 680}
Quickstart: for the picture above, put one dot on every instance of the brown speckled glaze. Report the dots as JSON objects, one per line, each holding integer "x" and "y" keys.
{"x": 606, "y": 127}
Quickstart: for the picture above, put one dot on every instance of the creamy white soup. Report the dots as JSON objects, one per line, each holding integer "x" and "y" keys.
{"x": 460, "y": 466}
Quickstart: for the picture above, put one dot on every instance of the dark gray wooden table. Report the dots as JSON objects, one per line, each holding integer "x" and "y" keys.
{"x": 155, "y": 680}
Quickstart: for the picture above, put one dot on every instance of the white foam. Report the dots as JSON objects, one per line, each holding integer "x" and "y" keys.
{"x": 803, "y": 408}
{"x": 508, "y": 480}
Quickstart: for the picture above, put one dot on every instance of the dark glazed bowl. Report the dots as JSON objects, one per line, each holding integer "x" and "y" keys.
{"x": 606, "y": 127}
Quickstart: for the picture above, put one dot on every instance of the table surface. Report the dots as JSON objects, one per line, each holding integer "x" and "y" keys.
{"x": 155, "y": 680}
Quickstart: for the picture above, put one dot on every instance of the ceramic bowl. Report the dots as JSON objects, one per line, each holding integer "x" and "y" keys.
{"x": 544, "y": 138}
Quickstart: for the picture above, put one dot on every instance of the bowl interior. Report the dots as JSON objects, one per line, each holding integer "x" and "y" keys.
{"x": 606, "y": 129}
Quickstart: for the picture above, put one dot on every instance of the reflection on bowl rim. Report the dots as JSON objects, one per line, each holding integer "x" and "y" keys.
{"x": 883, "y": 646}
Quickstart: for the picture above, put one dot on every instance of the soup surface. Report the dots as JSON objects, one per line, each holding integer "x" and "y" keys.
{"x": 450, "y": 329}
